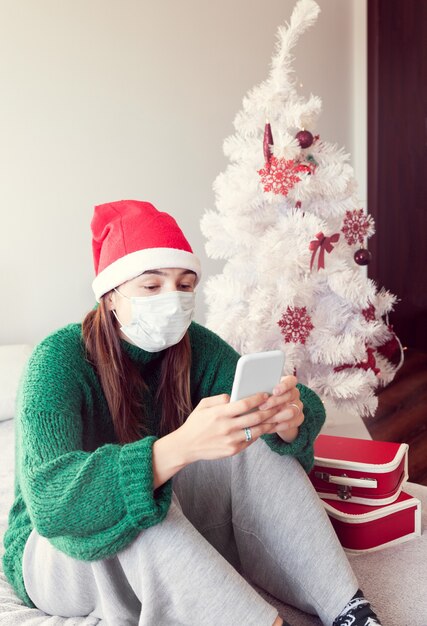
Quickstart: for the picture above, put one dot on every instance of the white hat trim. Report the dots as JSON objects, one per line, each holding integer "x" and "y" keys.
{"x": 133, "y": 264}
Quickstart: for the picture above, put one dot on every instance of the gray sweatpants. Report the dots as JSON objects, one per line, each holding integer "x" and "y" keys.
{"x": 254, "y": 513}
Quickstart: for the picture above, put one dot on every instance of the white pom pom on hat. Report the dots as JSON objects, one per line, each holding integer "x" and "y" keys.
{"x": 130, "y": 237}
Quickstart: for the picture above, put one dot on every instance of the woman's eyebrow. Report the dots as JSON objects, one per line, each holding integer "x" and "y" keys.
{"x": 160, "y": 273}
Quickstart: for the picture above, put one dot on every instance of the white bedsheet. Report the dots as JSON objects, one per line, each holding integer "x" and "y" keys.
{"x": 7, "y": 460}
{"x": 13, "y": 612}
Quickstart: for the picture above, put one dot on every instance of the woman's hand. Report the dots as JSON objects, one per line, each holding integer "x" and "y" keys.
{"x": 289, "y": 408}
{"x": 215, "y": 428}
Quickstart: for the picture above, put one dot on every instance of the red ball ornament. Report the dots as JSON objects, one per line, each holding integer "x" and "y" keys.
{"x": 362, "y": 257}
{"x": 305, "y": 138}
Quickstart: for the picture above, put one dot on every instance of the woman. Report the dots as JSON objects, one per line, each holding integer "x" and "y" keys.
{"x": 143, "y": 495}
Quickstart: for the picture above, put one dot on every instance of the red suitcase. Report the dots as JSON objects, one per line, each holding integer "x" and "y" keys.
{"x": 362, "y": 528}
{"x": 359, "y": 470}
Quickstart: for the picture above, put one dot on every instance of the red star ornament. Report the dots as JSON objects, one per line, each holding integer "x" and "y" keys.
{"x": 295, "y": 324}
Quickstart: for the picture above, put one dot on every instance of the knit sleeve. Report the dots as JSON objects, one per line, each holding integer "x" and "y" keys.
{"x": 90, "y": 504}
{"x": 222, "y": 376}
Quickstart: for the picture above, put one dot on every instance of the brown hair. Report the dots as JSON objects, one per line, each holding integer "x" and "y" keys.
{"x": 123, "y": 385}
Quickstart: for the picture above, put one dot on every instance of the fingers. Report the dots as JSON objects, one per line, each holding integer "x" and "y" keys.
{"x": 291, "y": 417}
{"x": 209, "y": 401}
{"x": 245, "y": 411}
{"x": 286, "y": 383}
{"x": 283, "y": 412}
{"x": 256, "y": 432}
{"x": 289, "y": 396}
{"x": 255, "y": 418}
{"x": 238, "y": 407}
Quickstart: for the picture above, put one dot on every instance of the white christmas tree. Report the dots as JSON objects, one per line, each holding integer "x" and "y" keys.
{"x": 290, "y": 225}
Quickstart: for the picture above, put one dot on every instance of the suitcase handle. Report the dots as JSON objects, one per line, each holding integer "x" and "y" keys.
{"x": 368, "y": 483}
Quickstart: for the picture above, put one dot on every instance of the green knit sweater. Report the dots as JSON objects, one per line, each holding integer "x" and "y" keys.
{"x": 74, "y": 483}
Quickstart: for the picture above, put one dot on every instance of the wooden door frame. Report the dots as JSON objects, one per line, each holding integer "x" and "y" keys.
{"x": 372, "y": 158}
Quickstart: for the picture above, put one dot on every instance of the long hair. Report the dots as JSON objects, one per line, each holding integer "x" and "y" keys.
{"x": 123, "y": 385}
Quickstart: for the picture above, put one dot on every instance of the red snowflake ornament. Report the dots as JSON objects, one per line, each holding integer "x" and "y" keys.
{"x": 356, "y": 227}
{"x": 280, "y": 175}
{"x": 295, "y": 324}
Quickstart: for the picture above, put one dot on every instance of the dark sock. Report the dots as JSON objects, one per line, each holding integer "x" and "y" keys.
{"x": 359, "y": 610}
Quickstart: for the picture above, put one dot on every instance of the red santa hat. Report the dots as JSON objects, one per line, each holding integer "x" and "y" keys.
{"x": 129, "y": 237}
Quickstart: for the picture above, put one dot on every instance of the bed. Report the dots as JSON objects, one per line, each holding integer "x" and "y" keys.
{"x": 394, "y": 579}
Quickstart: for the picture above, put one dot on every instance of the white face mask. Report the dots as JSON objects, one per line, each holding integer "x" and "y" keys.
{"x": 159, "y": 321}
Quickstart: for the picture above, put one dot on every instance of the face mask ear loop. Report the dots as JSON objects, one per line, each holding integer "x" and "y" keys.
{"x": 116, "y": 316}
{"x": 121, "y": 294}
{"x": 113, "y": 310}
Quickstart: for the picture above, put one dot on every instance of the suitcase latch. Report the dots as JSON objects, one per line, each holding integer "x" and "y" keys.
{"x": 344, "y": 491}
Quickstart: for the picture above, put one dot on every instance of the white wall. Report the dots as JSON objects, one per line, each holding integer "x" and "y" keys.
{"x": 110, "y": 99}
{"x": 359, "y": 99}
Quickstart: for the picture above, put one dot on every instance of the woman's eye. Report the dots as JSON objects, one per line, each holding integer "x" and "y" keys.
{"x": 186, "y": 286}
{"x": 150, "y": 287}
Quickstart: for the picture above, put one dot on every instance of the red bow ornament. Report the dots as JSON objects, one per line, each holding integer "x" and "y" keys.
{"x": 369, "y": 364}
{"x": 322, "y": 243}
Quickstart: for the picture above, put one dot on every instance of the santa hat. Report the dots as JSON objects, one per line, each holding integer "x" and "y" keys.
{"x": 129, "y": 237}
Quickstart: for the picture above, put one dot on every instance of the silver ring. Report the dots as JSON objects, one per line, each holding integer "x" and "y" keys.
{"x": 295, "y": 405}
{"x": 248, "y": 434}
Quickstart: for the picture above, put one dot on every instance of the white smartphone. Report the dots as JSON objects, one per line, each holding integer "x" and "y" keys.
{"x": 259, "y": 371}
